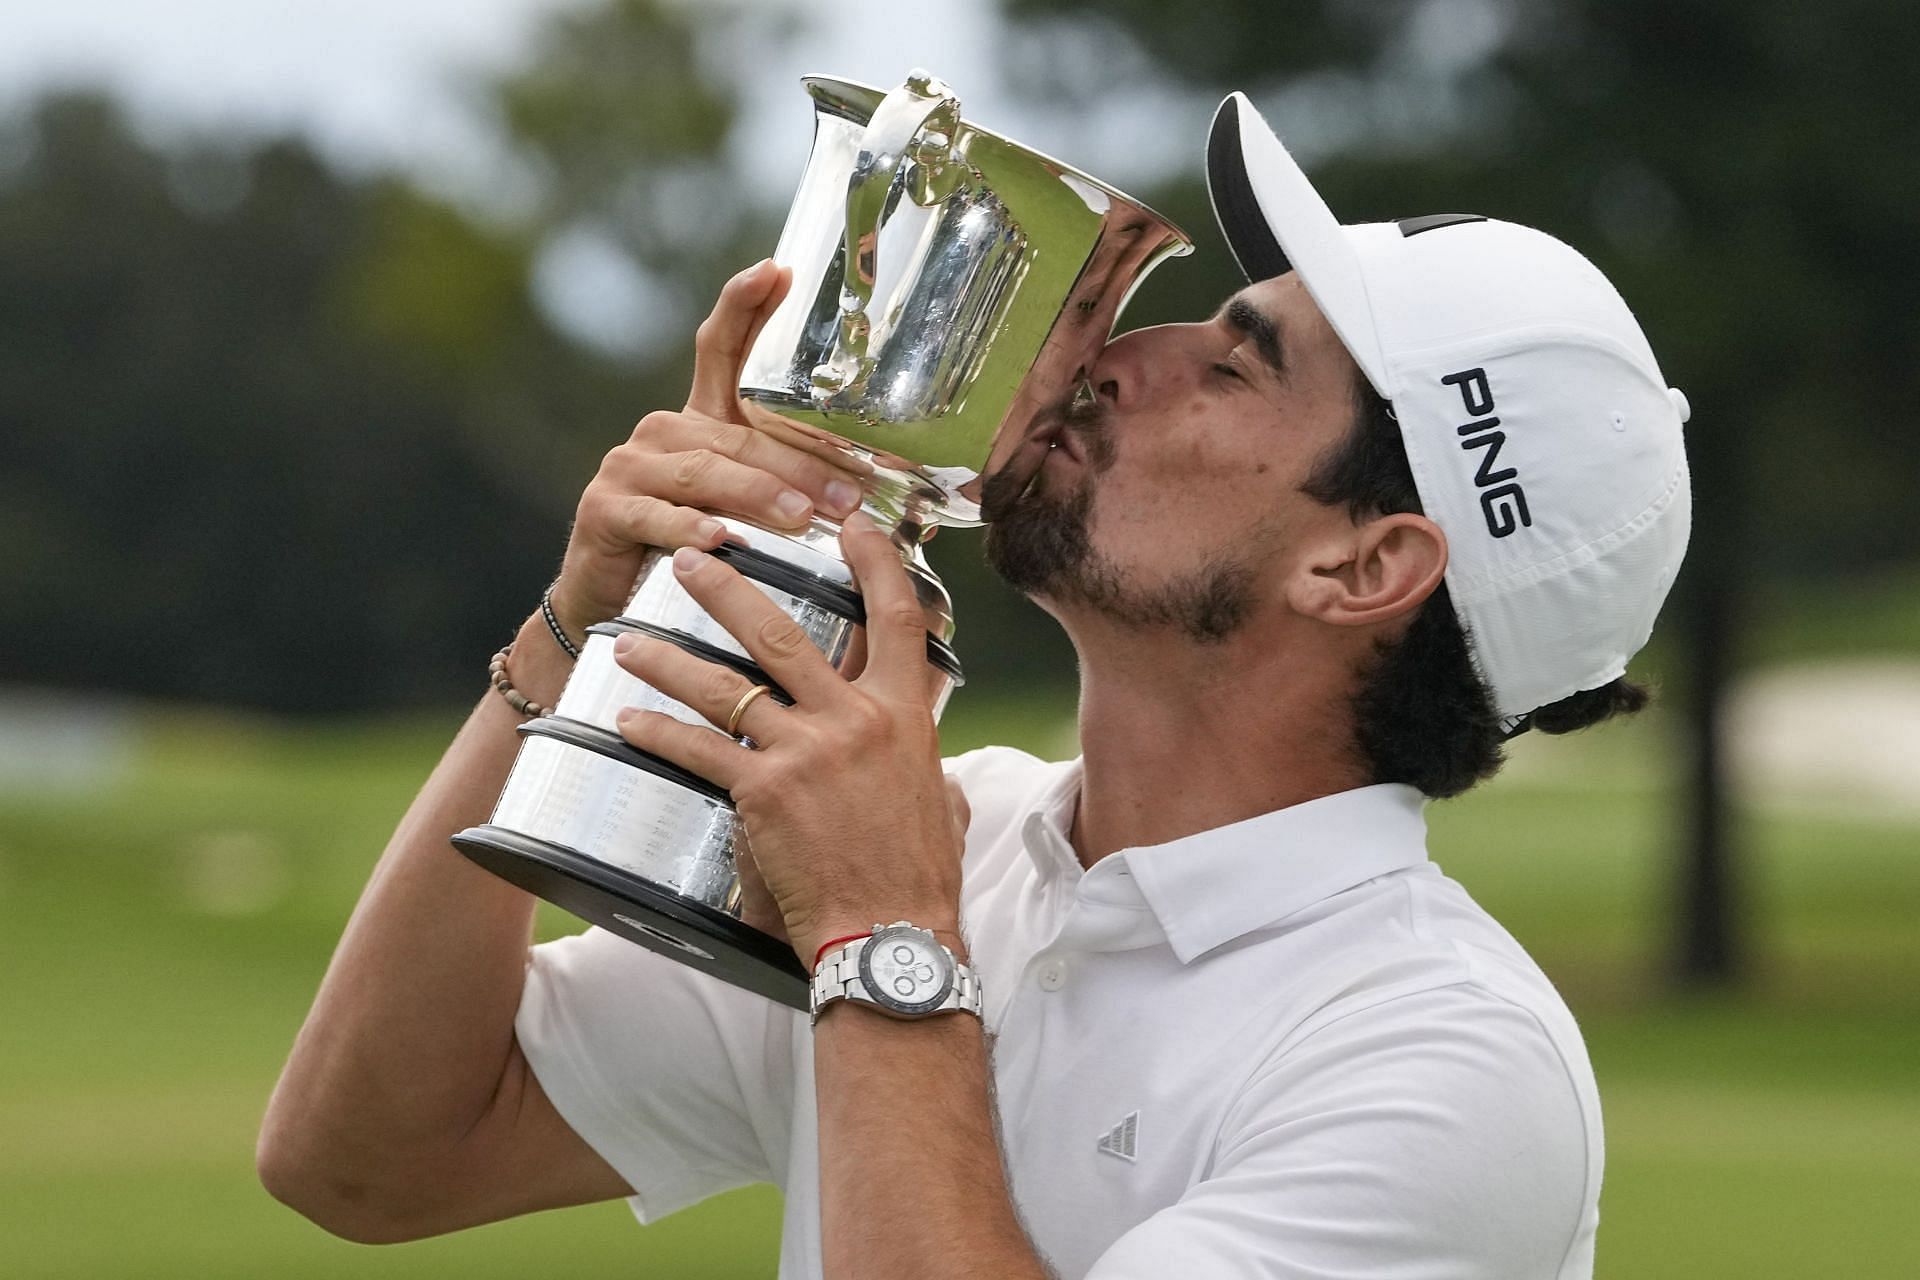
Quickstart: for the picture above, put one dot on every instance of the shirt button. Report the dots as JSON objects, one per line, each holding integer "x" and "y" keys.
{"x": 1053, "y": 975}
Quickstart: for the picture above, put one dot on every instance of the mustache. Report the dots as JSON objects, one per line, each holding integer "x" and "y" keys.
{"x": 999, "y": 493}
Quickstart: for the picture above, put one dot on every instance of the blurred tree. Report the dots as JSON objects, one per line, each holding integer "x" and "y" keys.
{"x": 282, "y": 438}
{"x": 1742, "y": 169}
{"x": 253, "y": 416}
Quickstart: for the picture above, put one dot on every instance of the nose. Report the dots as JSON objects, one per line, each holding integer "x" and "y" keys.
{"x": 1141, "y": 364}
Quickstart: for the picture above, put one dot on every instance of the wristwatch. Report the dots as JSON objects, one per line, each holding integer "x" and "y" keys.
{"x": 899, "y": 969}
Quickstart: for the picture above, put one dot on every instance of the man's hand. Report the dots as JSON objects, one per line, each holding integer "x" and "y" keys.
{"x": 660, "y": 487}
{"x": 843, "y": 796}
{"x": 758, "y": 909}
{"x": 853, "y": 823}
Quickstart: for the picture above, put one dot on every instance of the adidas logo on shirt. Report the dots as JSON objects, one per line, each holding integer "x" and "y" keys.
{"x": 1119, "y": 1140}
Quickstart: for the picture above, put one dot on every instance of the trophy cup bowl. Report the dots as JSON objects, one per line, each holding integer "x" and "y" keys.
{"x": 949, "y": 287}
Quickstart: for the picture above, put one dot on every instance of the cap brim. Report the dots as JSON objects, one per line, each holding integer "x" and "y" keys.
{"x": 1275, "y": 222}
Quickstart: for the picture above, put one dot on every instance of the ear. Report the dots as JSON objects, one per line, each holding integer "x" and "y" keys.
{"x": 1371, "y": 573}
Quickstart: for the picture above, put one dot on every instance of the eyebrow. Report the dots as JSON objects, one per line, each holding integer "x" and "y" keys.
{"x": 1258, "y": 325}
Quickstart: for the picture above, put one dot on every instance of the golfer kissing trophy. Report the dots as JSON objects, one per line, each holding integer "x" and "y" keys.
{"x": 950, "y": 287}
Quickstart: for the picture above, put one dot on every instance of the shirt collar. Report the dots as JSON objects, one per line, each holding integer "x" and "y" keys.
{"x": 1211, "y": 888}
{"x": 1048, "y": 826}
{"x": 1214, "y": 886}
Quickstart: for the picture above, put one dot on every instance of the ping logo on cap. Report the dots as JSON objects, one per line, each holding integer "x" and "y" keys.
{"x": 1503, "y": 503}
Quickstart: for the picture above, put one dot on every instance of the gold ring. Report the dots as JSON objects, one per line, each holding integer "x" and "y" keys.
{"x": 740, "y": 708}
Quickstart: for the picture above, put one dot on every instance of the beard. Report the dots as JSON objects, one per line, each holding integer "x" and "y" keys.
{"x": 1040, "y": 543}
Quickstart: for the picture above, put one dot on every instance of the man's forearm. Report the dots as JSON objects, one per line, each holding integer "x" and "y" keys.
{"x": 911, "y": 1177}
{"x": 408, "y": 1038}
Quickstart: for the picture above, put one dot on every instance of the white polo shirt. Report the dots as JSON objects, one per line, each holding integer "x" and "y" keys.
{"x": 1285, "y": 1047}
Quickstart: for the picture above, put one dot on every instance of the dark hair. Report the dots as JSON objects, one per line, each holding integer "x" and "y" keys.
{"x": 1422, "y": 714}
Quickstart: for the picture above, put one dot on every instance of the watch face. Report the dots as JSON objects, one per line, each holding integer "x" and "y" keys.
{"x": 906, "y": 970}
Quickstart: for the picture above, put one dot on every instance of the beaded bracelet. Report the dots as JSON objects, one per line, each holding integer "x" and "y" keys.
{"x": 497, "y": 673}
{"x": 553, "y": 623}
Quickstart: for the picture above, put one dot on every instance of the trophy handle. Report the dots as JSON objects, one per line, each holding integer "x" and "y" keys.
{"x": 915, "y": 123}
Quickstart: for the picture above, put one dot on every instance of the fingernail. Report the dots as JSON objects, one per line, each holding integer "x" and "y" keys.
{"x": 686, "y": 560}
{"x": 711, "y": 530}
{"x": 842, "y": 496}
{"x": 793, "y": 505}
{"x": 860, "y": 522}
{"x": 625, "y": 643}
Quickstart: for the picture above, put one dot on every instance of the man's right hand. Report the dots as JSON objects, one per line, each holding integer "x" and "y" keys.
{"x": 660, "y": 488}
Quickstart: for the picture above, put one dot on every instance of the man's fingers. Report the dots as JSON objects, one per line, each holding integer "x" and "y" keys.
{"x": 710, "y": 690}
{"x": 673, "y": 450}
{"x": 721, "y": 343}
{"x": 643, "y": 487}
{"x": 769, "y": 635}
{"x": 712, "y": 755}
{"x": 896, "y": 620}
{"x": 710, "y": 479}
{"x": 654, "y": 522}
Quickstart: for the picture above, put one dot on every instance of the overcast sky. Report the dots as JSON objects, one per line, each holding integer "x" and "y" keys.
{"x": 377, "y": 82}
{"x": 384, "y": 83}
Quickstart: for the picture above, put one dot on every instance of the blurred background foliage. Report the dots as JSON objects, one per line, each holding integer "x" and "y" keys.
{"x": 285, "y": 437}
{"x": 227, "y": 370}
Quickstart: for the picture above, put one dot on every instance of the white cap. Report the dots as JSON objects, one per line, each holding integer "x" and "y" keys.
{"x": 1543, "y": 439}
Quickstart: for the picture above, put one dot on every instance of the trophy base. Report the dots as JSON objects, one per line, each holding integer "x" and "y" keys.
{"x": 641, "y": 912}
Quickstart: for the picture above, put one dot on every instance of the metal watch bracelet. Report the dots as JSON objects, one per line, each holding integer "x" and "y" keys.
{"x": 910, "y": 975}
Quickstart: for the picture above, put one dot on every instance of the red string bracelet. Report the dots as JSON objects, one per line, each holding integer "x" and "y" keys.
{"x": 852, "y": 937}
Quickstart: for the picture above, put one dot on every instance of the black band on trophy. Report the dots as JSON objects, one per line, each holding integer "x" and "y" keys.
{"x": 699, "y": 649}
{"x": 632, "y": 907}
{"x": 793, "y": 580}
{"x": 831, "y": 596}
{"x": 614, "y": 747}
{"x": 941, "y": 655}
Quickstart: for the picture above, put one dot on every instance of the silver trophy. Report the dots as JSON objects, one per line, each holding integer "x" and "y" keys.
{"x": 949, "y": 286}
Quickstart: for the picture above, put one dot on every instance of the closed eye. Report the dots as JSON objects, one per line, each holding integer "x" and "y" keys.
{"x": 1226, "y": 370}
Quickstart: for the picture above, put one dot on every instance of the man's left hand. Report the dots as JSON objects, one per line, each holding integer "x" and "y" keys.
{"x": 842, "y": 796}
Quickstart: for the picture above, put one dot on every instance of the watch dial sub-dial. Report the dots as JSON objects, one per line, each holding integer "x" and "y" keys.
{"x": 906, "y": 970}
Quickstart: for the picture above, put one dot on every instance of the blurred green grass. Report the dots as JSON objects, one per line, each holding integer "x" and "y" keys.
{"x": 160, "y": 938}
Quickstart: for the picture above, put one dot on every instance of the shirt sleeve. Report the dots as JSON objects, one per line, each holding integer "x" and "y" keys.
{"x": 680, "y": 1082}
{"x": 1437, "y": 1135}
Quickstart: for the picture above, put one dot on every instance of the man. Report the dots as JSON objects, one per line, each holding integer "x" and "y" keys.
{"x": 1418, "y": 486}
